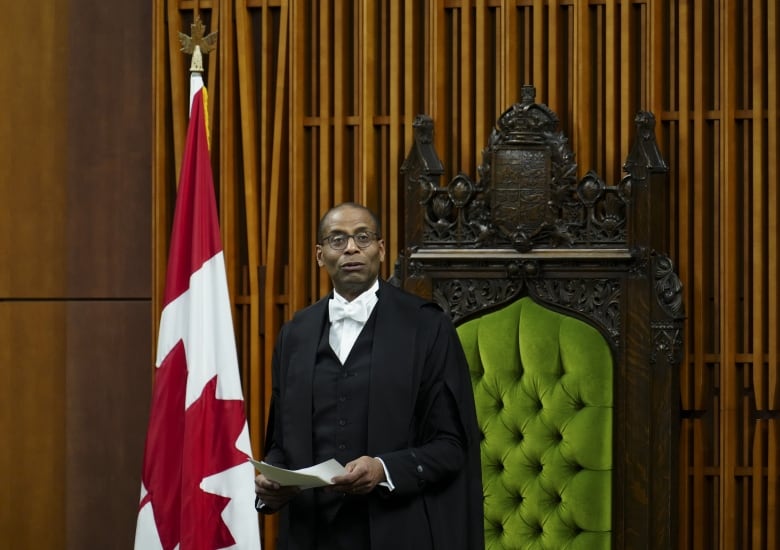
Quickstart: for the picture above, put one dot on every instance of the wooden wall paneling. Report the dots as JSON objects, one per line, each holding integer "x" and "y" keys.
{"x": 33, "y": 149}
{"x": 108, "y": 400}
{"x": 106, "y": 228}
{"x": 33, "y": 400}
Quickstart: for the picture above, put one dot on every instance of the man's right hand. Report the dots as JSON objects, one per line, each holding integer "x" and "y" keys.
{"x": 273, "y": 495}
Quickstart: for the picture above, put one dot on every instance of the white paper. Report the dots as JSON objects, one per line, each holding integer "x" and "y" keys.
{"x": 318, "y": 475}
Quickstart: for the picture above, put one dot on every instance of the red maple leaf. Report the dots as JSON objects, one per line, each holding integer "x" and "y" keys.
{"x": 182, "y": 448}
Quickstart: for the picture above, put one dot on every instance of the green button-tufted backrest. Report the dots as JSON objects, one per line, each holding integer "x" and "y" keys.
{"x": 543, "y": 389}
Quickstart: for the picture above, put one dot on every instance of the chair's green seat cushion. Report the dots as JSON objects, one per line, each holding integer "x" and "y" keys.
{"x": 543, "y": 390}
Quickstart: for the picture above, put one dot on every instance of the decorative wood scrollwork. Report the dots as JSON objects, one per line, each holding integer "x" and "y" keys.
{"x": 668, "y": 287}
{"x": 667, "y": 341}
{"x": 596, "y": 299}
{"x": 463, "y": 297}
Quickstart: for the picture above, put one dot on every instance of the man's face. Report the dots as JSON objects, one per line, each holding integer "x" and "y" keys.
{"x": 352, "y": 270}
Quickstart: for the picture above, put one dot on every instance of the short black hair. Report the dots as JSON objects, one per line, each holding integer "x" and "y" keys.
{"x": 374, "y": 217}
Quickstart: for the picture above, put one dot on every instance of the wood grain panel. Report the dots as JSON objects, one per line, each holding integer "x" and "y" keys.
{"x": 108, "y": 389}
{"x": 33, "y": 400}
{"x": 108, "y": 151}
{"x": 33, "y": 152}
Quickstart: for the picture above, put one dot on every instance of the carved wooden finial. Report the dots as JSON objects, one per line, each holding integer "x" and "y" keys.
{"x": 197, "y": 44}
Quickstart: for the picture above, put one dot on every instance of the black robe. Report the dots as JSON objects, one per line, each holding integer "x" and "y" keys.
{"x": 421, "y": 423}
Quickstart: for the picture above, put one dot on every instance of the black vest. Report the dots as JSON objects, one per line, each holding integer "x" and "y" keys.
{"x": 340, "y": 398}
{"x": 340, "y": 431}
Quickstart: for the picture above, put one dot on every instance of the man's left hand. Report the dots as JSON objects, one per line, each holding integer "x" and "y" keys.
{"x": 363, "y": 474}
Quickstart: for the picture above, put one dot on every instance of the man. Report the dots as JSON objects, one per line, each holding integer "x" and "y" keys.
{"x": 387, "y": 393}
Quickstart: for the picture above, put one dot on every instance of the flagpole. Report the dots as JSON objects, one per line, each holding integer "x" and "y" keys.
{"x": 197, "y": 484}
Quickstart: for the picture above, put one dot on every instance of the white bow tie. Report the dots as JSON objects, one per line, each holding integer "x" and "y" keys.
{"x": 354, "y": 310}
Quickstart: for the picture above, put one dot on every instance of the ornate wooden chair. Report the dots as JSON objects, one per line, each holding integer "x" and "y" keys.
{"x": 571, "y": 318}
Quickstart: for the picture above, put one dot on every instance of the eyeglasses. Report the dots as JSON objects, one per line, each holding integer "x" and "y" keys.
{"x": 338, "y": 241}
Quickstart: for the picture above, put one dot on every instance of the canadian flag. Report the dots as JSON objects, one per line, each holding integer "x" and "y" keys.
{"x": 197, "y": 489}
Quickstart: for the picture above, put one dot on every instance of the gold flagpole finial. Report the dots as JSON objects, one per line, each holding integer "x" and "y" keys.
{"x": 197, "y": 44}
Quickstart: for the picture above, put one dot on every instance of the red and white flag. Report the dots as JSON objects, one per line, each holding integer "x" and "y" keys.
{"x": 197, "y": 488}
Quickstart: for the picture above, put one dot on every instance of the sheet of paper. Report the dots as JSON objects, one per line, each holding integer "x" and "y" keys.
{"x": 318, "y": 475}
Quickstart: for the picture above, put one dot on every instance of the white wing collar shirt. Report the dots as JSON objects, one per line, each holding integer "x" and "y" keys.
{"x": 348, "y": 319}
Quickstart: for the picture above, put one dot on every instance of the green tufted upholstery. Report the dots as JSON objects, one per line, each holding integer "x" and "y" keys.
{"x": 543, "y": 389}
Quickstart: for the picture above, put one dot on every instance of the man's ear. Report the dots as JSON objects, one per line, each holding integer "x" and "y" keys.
{"x": 381, "y": 250}
{"x": 318, "y": 255}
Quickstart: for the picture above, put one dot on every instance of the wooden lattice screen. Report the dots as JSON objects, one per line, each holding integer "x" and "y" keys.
{"x": 312, "y": 104}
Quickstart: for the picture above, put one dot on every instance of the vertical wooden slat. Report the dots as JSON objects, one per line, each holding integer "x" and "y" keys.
{"x": 394, "y": 152}
{"x": 758, "y": 295}
{"x": 611, "y": 89}
{"x": 554, "y": 53}
{"x": 340, "y": 177}
{"x": 436, "y": 49}
{"x": 508, "y": 77}
{"x": 730, "y": 197}
{"x": 324, "y": 87}
{"x": 626, "y": 108}
{"x": 465, "y": 107}
{"x": 179, "y": 83}
{"x": 540, "y": 50}
{"x": 369, "y": 194}
{"x": 691, "y": 249}
{"x": 655, "y": 41}
{"x": 773, "y": 297}
{"x": 213, "y": 66}
{"x": 480, "y": 122}
{"x": 274, "y": 228}
{"x": 251, "y": 188}
{"x": 161, "y": 205}
{"x": 772, "y": 227}
{"x": 220, "y": 64}
{"x": 297, "y": 195}
{"x": 412, "y": 86}
{"x": 582, "y": 114}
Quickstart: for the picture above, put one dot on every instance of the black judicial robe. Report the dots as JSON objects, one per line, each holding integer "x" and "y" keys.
{"x": 419, "y": 392}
